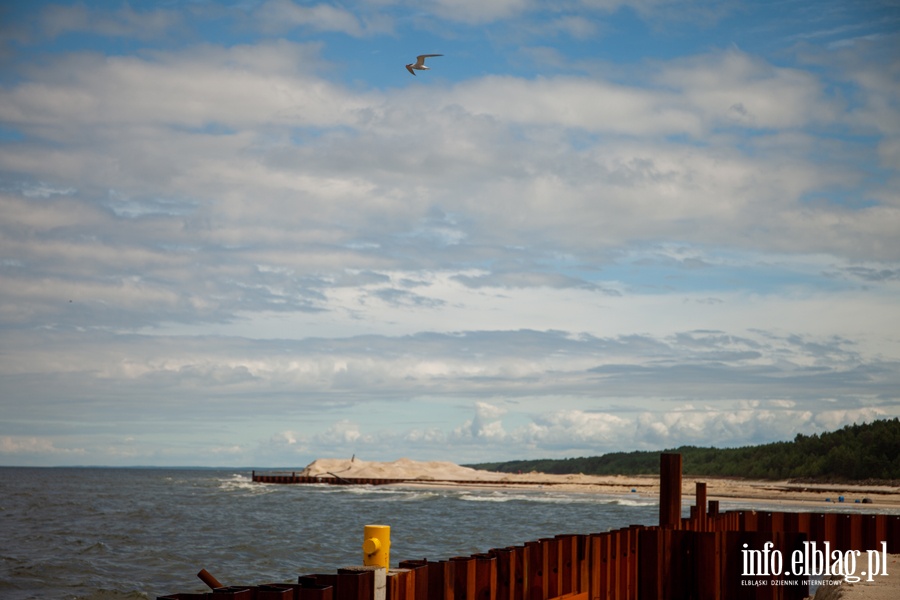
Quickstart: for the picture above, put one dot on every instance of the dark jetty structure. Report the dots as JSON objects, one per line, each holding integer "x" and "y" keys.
{"x": 710, "y": 555}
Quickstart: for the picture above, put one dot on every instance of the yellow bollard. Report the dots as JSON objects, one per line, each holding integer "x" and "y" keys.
{"x": 377, "y": 546}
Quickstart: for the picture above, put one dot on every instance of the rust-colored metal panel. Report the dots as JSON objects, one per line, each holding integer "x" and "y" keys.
{"x": 273, "y": 592}
{"x": 893, "y": 534}
{"x": 535, "y": 571}
{"x": 420, "y": 575}
{"x": 505, "y": 572}
{"x": 850, "y": 532}
{"x": 566, "y": 567}
{"x": 231, "y": 593}
{"x": 355, "y": 584}
{"x": 397, "y": 584}
{"x": 649, "y": 562}
{"x": 874, "y": 531}
{"x": 552, "y": 583}
{"x": 440, "y": 580}
{"x": 485, "y": 577}
{"x": 706, "y": 565}
{"x": 315, "y": 592}
{"x": 573, "y": 596}
{"x": 464, "y": 577}
{"x": 669, "y": 490}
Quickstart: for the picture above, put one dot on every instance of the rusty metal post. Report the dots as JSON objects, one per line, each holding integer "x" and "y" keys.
{"x": 650, "y": 564}
{"x": 700, "y": 502}
{"x": 273, "y": 592}
{"x": 401, "y": 584}
{"x": 464, "y": 577}
{"x": 419, "y": 569}
{"x": 356, "y": 583}
{"x": 485, "y": 577}
{"x": 893, "y": 533}
{"x": 669, "y": 490}
{"x": 207, "y": 578}
{"x": 314, "y": 592}
{"x": 550, "y": 550}
{"x": 535, "y": 570}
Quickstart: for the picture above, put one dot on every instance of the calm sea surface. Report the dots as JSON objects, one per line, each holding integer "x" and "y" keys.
{"x": 139, "y": 533}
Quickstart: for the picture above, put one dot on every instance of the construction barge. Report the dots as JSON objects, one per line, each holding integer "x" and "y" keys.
{"x": 709, "y": 555}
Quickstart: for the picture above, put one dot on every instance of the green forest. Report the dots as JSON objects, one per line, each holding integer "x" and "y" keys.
{"x": 856, "y": 452}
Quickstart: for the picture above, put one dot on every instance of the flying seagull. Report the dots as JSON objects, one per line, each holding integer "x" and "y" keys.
{"x": 419, "y": 65}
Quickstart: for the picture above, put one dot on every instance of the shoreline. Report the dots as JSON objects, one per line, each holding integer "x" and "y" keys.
{"x": 748, "y": 493}
{"x": 423, "y": 475}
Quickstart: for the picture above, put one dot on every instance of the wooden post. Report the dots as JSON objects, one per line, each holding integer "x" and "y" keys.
{"x": 669, "y": 490}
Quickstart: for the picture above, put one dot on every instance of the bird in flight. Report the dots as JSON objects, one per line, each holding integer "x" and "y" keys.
{"x": 419, "y": 65}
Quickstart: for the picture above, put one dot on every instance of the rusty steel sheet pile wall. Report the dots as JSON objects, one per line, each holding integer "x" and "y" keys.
{"x": 694, "y": 558}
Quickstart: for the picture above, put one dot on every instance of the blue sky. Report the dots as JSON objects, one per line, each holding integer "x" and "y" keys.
{"x": 240, "y": 233}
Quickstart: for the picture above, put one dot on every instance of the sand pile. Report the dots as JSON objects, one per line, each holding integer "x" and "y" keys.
{"x": 403, "y": 468}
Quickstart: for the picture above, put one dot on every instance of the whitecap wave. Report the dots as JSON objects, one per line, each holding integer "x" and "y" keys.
{"x": 242, "y": 483}
{"x": 557, "y": 498}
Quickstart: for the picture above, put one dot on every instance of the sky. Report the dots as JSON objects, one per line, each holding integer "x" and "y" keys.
{"x": 240, "y": 233}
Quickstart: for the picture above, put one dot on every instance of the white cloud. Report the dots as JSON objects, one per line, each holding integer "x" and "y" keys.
{"x": 14, "y": 444}
{"x": 240, "y": 86}
{"x": 733, "y": 88}
{"x": 476, "y": 12}
{"x": 56, "y": 20}
{"x": 565, "y": 250}
{"x": 283, "y": 15}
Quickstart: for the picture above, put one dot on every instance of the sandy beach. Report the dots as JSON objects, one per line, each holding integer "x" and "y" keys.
{"x": 442, "y": 473}
{"x": 881, "y": 588}
{"x": 752, "y": 493}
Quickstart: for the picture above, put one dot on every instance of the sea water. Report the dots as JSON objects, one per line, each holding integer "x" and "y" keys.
{"x": 96, "y": 533}
{"x": 111, "y": 534}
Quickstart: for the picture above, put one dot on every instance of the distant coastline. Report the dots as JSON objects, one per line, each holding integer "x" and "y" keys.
{"x": 868, "y": 453}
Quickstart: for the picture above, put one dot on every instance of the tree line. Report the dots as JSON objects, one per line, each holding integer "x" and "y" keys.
{"x": 852, "y": 453}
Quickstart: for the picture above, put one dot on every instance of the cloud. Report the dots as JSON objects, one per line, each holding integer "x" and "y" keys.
{"x": 284, "y": 15}
{"x": 474, "y": 12}
{"x": 57, "y": 20}
{"x": 35, "y": 446}
{"x": 286, "y": 232}
{"x": 238, "y": 87}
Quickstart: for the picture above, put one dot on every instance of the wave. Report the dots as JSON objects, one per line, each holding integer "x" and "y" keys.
{"x": 388, "y": 494}
{"x": 95, "y": 548}
{"x": 114, "y": 595}
{"x": 551, "y": 498}
{"x": 243, "y": 483}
